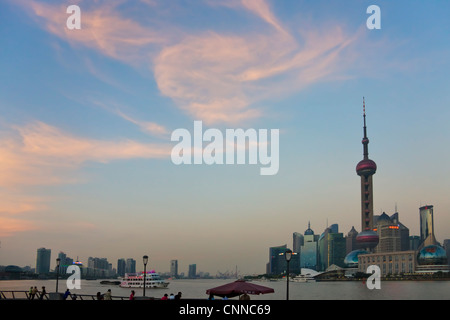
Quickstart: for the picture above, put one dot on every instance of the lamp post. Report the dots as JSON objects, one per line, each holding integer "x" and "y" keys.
{"x": 288, "y": 256}
{"x": 145, "y": 260}
{"x": 58, "y": 260}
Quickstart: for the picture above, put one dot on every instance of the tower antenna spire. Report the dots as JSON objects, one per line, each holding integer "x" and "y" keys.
{"x": 365, "y": 140}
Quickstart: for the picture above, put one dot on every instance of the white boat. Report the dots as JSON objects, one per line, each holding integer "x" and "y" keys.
{"x": 136, "y": 280}
{"x": 304, "y": 278}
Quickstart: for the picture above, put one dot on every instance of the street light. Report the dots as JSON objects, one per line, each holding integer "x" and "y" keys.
{"x": 288, "y": 256}
{"x": 145, "y": 260}
{"x": 58, "y": 260}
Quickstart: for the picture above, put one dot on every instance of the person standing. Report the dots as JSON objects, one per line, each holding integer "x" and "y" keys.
{"x": 132, "y": 295}
{"x": 33, "y": 293}
{"x": 43, "y": 293}
{"x": 107, "y": 295}
{"x": 30, "y": 293}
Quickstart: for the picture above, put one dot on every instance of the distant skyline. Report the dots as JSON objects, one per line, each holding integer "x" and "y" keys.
{"x": 86, "y": 118}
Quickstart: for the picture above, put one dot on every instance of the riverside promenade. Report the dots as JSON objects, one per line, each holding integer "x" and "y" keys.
{"x": 25, "y": 295}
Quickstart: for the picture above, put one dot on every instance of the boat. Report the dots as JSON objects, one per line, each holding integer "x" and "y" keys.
{"x": 113, "y": 282}
{"x": 304, "y": 278}
{"x": 136, "y": 280}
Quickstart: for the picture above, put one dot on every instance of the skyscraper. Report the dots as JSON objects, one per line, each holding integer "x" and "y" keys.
{"x": 297, "y": 241}
{"x": 277, "y": 261}
{"x": 308, "y": 251}
{"x": 121, "y": 267}
{"x": 426, "y": 226}
{"x": 174, "y": 268}
{"x": 192, "y": 273}
{"x": 65, "y": 261}
{"x": 131, "y": 266}
{"x": 332, "y": 248}
{"x": 366, "y": 168}
{"x": 43, "y": 260}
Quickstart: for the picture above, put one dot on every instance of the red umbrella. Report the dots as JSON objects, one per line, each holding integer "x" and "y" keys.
{"x": 237, "y": 288}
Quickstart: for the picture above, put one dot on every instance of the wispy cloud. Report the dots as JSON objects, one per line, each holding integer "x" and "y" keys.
{"x": 41, "y": 154}
{"x": 103, "y": 29}
{"x": 151, "y": 128}
{"x": 14, "y": 211}
{"x": 217, "y": 77}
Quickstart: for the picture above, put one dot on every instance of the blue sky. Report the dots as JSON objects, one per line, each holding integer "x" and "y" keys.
{"x": 86, "y": 117}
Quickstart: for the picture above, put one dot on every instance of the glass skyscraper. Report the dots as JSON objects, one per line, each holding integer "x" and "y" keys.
{"x": 43, "y": 260}
{"x": 426, "y": 222}
{"x": 174, "y": 268}
{"x": 308, "y": 251}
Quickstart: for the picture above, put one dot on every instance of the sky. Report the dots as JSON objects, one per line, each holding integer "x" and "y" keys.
{"x": 86, "y": 117}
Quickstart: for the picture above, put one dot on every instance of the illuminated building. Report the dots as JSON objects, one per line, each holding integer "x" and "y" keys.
{"x": 393, "y": 235}
{"x": 431, "y": 259}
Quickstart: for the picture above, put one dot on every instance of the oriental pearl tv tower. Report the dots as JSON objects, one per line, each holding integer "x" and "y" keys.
{"x": 367, "y": 239}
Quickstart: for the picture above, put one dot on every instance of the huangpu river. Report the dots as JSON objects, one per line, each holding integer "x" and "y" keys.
{"x": 196, "y": 289}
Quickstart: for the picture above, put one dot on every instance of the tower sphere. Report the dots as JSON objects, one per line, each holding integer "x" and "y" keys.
{"x": 432, "y": 255}
{"x": 351, "y": 259}
{"x": 366, "y": 167}
{"x": 367, "y": 239}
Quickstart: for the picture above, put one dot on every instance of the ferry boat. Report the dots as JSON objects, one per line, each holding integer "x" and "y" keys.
{"x": 304, "y": 278}
{"x": 136, "y": 280}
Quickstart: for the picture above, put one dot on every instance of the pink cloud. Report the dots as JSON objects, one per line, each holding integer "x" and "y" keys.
{"x": 102, "y": 29}
{"x": 221, "y": 78}
{"x": 211, "y": 76}
{"x": 41, "y": 154}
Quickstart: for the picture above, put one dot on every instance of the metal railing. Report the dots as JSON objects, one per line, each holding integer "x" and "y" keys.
{"x": 25, "y": 295}
{"x": 21, "y": 295}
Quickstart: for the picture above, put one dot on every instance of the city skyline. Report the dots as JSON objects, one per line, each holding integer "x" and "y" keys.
{"x": 86, "y": 118}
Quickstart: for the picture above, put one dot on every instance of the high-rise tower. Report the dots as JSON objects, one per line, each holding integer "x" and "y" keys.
{"x": 427, "y": 236}
{"x": 366, "y": 168}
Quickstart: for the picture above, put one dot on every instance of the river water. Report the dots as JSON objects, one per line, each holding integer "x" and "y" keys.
{"x": 196, "y": 289}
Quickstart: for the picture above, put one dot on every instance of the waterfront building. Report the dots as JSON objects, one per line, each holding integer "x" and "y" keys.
{"x": 393, "y": 235}
{"x": 192, "y": 273}
{"x": 130, "y": 266}
{"x": 404, "y": 231}
{"x": 366, "y": 168}
{"x": 431, "y": 259}
{"x": 309, "y": 250}
{"x": 350, "y": 240}
{"x": 121, "y": 267}
{"x": 62, "y": 262}
{"x": 65, "y": 261}
{"x": 297, "y": 242}
{"x": 390, "y": 263}
{"x": 277, "y": 262}
{"x": 332, "y": 248}
{"x": 98, "y": 267}
{"x": 43, "y": 260}
{"x": 174, "y": 268}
